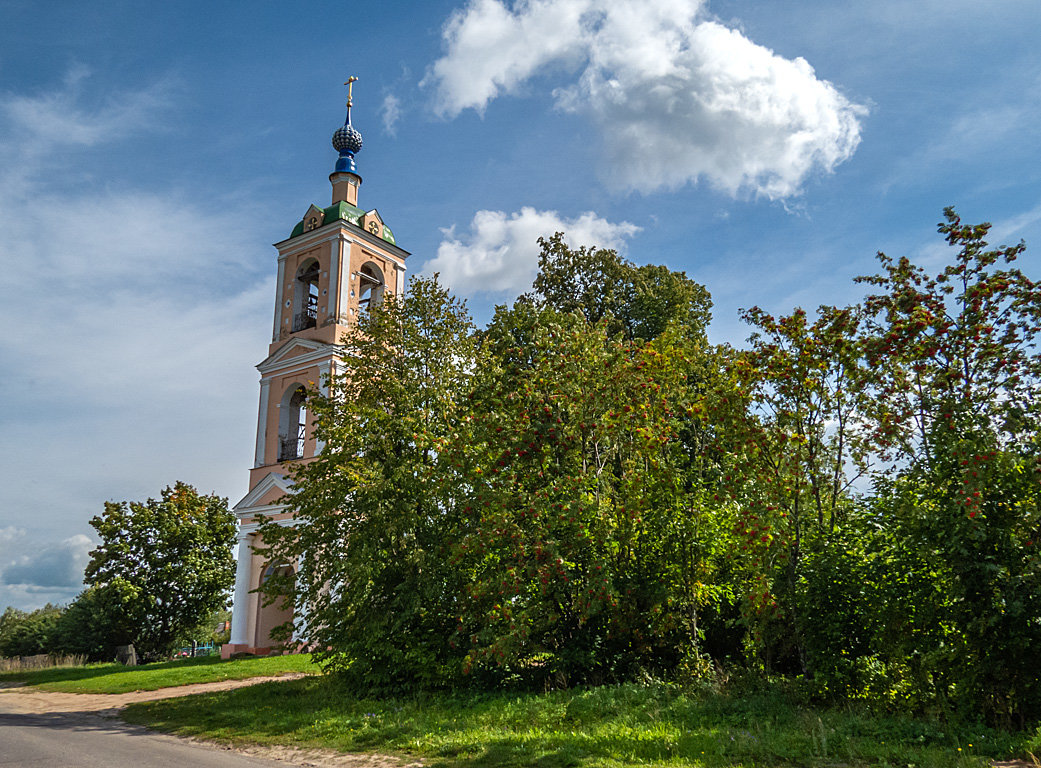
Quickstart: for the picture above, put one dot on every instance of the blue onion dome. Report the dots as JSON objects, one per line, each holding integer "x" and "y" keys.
{"x": 347, "y": 139}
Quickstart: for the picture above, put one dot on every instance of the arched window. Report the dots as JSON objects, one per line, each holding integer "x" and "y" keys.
{"x": 292, "y": 427}
{"x": 305, "y": 304}
{"x": 370, "y": 286}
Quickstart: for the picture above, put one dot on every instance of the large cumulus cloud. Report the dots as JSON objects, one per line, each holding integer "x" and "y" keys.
{"x": 677, "y": 96}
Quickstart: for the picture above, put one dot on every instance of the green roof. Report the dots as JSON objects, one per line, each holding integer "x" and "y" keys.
{"x": 343, "y": 211}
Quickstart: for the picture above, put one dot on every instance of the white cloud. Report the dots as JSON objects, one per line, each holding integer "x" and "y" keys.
{"x": 997, "y": 123}
{"x": 136, "y": 317}
{"x": 1007, "y": 231}
{"x": 52, "y": 567}
{"x": 677, "y": 97}
{"x": 500, "y": 252}
{"x": 492, "y": 50}
{"x": 390, "y": 113}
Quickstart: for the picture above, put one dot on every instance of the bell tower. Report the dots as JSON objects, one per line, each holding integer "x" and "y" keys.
{"x": 338, "y": 261}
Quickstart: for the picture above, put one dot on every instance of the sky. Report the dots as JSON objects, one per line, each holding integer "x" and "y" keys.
{"x": 150, "y": 154}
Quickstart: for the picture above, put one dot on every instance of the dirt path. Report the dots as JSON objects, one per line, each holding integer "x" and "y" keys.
{"x": 89, "y": 709}
{"x": 24, "y": 700}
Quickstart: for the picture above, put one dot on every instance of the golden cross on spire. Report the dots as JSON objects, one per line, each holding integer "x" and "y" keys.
{"x": 350, "y": 87}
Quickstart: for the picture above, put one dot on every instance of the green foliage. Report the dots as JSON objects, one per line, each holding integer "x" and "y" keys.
{"x": 587, "y": 551}
{"x": 974, "y": 628}
{"x": 98, "y": 620}
{"x": 587, "y": 492}
{"x": 608, "y": 726}
{"x": 29, "y": 633}
{"x": 958, "y": 373}
{"x": 161, "y": 568}
{"x": 836, "y": 590}
{"x": 638, "y": 301}
{"x": 373, "y": 524}
{"x": 962, "y": 342}
{"x": 798, "y": 446}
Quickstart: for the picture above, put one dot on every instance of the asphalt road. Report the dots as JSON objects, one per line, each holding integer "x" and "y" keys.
{"x": 88, "y": 739}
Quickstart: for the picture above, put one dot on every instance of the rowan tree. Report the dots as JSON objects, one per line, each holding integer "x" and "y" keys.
{"x": 586, "y": 551}
{"x": 797, "y": 451}
{"x": 957, "y": 371}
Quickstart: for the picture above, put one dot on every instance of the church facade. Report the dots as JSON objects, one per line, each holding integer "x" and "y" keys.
{"x": 337, "y": 261}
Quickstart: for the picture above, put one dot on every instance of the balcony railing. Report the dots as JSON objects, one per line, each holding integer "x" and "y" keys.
{"x": 306, "y": 319}
{"x": 290, "y": 448}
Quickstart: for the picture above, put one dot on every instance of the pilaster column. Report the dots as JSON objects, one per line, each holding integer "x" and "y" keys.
{"x": 343, "y": 293}
{"x": 276, "y": 333}
{"x": 240, "y": 632}
{"x": 399, "y": 271}
{"x": 333, "y": 298}
{"x": 260, "y": 458}
{"x": 324, "y": 369}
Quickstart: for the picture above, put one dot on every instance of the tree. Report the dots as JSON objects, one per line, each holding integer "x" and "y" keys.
{"x": 28, "y": 633}
{"x": 587, "y": 544}
{"x": 372, "y": 515}
{"x": 799, "y": 448}
{"x": 958, "y": 374}
{"x": 166, "y": 563}
{"x": 97, "y": 621}
{"x": 638, "y": 301}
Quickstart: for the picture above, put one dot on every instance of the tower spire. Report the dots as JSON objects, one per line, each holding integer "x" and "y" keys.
{"x": 347, "y": 141}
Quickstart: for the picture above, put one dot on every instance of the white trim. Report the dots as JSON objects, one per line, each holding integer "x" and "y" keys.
{"x": 307, "y": 240}
{"x": 344, "y": 290}
{"x": 270, "y": 481}
{"x": 287, "y": 522}
{"x": 278, "y": 298}
{"x": 293, "y": 245}
{"x": 294, "y": 372}
{"x": 240, "y": 602}
{"x": 264, "y": 510}
{"x": 323, "y": 383}
{"x": 334, "y": 275}
{"x": 290, "y": 344}
{"x": 265, "y": 390}
{"x": 281, "y": 359}
{"x": 323, "y": 387}
{"x": 392, "y": 251}
{"x": 300, "y": 611}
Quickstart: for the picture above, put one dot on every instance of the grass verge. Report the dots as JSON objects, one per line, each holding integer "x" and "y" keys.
{"x": 115, "y": 678}
{"x": 611, "y": 727}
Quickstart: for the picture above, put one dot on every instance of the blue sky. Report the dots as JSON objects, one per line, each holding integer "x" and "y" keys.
{"x": 150, "y": 155}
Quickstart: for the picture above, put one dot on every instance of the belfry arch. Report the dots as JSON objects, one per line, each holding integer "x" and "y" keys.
{"x": 305, "y": 296}
{"x": 371, "y": 285}
{"x": 292, "y": 426}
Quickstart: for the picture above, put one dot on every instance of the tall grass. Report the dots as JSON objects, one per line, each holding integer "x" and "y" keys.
{"x": 607, "y": 727}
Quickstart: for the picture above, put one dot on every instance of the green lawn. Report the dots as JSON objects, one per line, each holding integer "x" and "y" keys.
{"x": 115, "y": 678}
{"x": 612, "y": 726}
